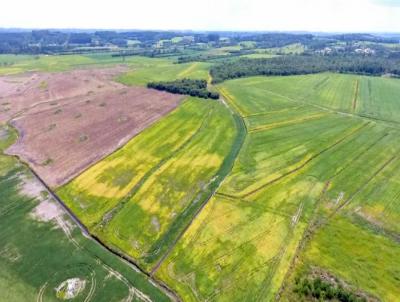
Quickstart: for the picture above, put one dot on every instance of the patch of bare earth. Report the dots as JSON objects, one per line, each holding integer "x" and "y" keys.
{"x": 18, "y": 93}
{"x": 73, "y": 129}
{"x": 47, "y": 210}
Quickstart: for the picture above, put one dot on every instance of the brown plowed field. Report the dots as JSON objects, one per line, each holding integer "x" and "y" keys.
{"x": 78, "y": 118}
{"x": 21, "y": 92}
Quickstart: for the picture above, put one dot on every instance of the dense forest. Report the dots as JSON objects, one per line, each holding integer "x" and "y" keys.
{"x": 197, "y": 88}
{"x": 304, "y": 64}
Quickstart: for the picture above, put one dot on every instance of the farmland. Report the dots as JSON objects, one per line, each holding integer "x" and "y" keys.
{"x": 155, "y": 70}
{"x": 302, "y": 170}
{"x": 160, "y": 189}
{"x": 42, "y": 107}
{"x": 364, "y": 96}
{"x": 41, "y": 247}
{"x": 144, "y": 69}
{"x": 284, "y": 182}
{"x": 75, "y": 113}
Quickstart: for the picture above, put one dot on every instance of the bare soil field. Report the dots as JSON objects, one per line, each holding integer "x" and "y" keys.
{"x": 19, "y": 93}
{"x": 78, "y": 118}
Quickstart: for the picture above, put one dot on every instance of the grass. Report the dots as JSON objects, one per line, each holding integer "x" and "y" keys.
{"x": 295, "y": 48}
{"x": 14, "y": 64}
{"x": 36, "y": 256}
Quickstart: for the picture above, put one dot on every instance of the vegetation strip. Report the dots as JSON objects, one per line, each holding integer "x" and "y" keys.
{"x": 182, "y": 223}
{"x": 289, "y": 122}
{"x": 195, "y": 88}
{"x": 302, "y": 65}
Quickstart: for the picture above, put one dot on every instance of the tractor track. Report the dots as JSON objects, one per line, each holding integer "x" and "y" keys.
{"x": 271, "y": 182}
{"x": 355, "y": 97}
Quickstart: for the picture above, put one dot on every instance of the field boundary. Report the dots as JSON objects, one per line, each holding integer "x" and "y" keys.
{"x": 118, "y": 147}
{"x": 355, "y": 96}
{"x": 135, "y": 188}
{"x": 127, "y": 260}
{"x": 223, "y": 172}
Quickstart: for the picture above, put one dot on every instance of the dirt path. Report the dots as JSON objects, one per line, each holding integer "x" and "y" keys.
{"x": 188, "y": 70}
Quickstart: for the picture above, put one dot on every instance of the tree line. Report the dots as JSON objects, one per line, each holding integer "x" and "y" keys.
{"x": 304, "y": 64}
{"x": 196, "y": 88}
{"x": 320, "y": 290}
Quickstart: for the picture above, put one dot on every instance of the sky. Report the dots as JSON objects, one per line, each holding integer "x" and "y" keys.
{"x": 262, "y": 15}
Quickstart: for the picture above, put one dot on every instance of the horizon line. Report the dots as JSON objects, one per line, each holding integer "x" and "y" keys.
{"x": 3, "y": 28}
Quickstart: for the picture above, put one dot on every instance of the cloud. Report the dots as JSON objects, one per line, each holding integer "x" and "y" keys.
{"x": 269, "y": 15}
{"x": 387, "y": 2}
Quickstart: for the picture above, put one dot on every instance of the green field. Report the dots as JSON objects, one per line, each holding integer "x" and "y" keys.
{"x": 364, "y": 96}
{"x": 354, "y": 251}
{"x": 303, "y": 166}
{"x": 12, "y": 64}
{"x": 147, "y": 70}
{"x": 37, "y": 254}
{"x": 284, "y": 179}
{"x": 139, "y": 198}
